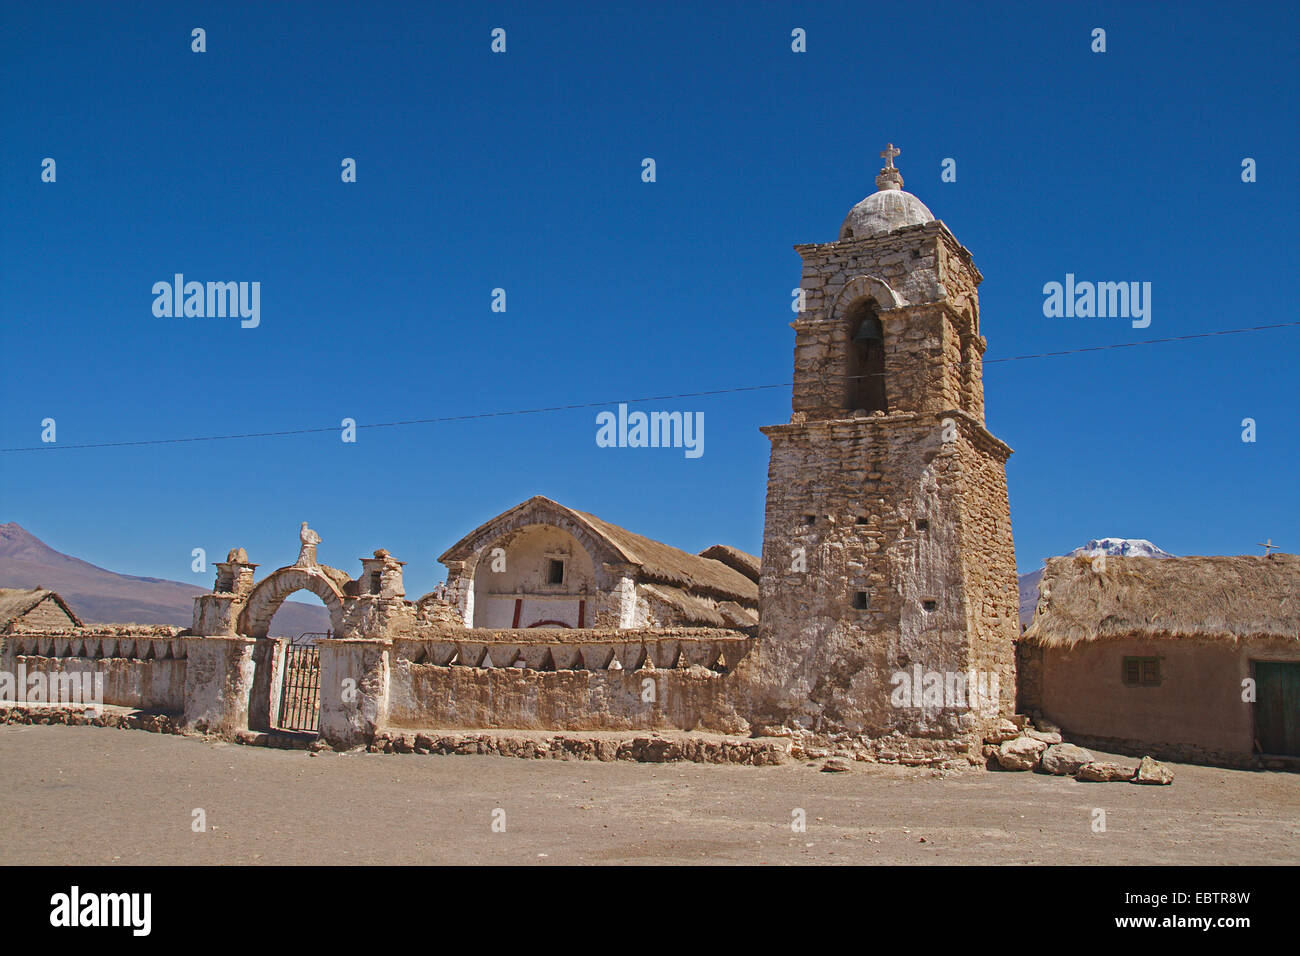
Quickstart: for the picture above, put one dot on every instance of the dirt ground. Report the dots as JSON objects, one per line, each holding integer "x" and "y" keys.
{"x": 90, "y": 795}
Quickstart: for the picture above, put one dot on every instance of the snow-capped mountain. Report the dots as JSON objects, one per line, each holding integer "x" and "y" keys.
{"x": 1119, "y": 547}
{"x": 1122, "y": 548}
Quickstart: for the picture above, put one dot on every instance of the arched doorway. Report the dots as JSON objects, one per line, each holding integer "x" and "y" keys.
{"x": 285, "y": 695}
{"x": 266, "y": 598}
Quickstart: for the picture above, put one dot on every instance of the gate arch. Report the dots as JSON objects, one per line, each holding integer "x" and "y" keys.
{"x": 265, "y": 599}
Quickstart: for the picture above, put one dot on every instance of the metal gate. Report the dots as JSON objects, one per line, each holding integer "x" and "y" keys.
{"x": 300, "y": 687}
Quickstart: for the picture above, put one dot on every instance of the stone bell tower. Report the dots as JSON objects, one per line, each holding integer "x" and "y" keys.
{"x": 888, "y": 579}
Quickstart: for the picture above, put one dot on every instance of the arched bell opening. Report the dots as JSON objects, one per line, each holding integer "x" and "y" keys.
{"x": 865, "y": 377}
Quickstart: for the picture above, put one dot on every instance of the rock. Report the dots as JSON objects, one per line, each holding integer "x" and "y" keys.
{"x": 834, "y": 766}
{"x": 1064, "y": 760}
{"x": 1046, "y": 726}
{"x": 1098, "y": 772}
{"x": 1006, "y": 730}
{"x": 1045, "y": 736}
{"x": 1153, "y": 772}
{"x": 1021, "y": 753}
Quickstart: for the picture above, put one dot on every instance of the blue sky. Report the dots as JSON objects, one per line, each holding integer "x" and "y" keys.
{"x": 522, "y": 171}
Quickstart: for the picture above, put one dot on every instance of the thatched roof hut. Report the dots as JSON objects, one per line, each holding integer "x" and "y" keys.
{"x": 1219, "y": 597}
{"x": 17, "y": 603}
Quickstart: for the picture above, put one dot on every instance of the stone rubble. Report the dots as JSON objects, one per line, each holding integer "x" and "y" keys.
{"x": 1041, "y": 748}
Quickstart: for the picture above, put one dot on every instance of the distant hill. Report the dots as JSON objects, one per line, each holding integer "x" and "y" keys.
{"x": 101, "y": 596}
{"x": 1118, "y": 547}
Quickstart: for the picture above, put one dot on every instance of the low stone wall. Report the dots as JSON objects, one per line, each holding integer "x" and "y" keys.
{"x": 203, "y": 682}
{"x": 79, "y": 717}
{"x": 656, "y": 748}
{"x": 694, "y": 698}
{"x": 142, "y": 668}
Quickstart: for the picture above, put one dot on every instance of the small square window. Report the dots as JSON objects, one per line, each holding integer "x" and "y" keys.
{"x": 860, "y": 601}
{"x": 554, "y": 571}
{"x": 930, "y": 604}
{"x": 863, "y": 519}
{"x": 810, "y": 520}
{"x": 1142, "y": 671}
{"x": 375, "y": 586}
{"x": 923, "y": 525}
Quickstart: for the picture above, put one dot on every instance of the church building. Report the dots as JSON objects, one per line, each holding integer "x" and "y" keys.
{"x": 541, "y": 564}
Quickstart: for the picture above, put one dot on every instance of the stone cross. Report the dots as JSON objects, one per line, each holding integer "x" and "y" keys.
{"x": 1268, "y": 546}
{"x": 888, "y": 155}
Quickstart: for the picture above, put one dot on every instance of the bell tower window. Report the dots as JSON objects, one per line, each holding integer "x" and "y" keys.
{"x": 865, "y": 380}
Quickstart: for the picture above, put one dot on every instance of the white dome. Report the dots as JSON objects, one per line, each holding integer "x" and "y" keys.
{"x": 883, "y": 212}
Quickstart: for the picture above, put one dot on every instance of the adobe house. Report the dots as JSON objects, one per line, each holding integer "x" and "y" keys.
{"x": 34, "y": 608}
{"x": 541, "y": 564}
{"x": 1193, "y": 658}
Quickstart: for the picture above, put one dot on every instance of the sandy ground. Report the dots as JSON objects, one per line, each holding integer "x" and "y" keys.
{"x": 89, "y": 795}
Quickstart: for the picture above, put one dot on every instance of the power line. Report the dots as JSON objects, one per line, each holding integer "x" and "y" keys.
{"x": 605, "y": 404}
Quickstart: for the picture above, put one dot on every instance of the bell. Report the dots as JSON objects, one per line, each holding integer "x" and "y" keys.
{"x": 869, "y": 332}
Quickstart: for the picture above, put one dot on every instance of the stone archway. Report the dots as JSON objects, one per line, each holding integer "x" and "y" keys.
{"x": 265, "y": 599}
{"x": 865, "y": 286}
{"x": 269, "y": 656}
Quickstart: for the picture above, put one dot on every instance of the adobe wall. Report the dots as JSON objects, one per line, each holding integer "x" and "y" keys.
{"x": 1195, "y": 714}
{"x": 662, "y": 678}
{"x": 425, "y": 695}
{"x": 203, "y": 682}
{"x": 142, "y": 667}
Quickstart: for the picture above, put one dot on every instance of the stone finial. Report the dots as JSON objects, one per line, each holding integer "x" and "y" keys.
{"x": 890, "y": 177}
{"x": 307, "y": 553}
{"x": 237, "y": 556}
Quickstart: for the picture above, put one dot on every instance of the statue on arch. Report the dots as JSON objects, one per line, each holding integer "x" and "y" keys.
{"x": 307, "y": 555}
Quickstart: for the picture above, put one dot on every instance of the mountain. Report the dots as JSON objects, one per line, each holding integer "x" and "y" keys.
{"x": 1122, "y": 548}
{"x": 1118, "y": 547}
{"x": 100, "y": 596}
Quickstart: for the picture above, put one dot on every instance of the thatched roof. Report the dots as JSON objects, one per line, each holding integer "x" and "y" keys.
{"x": 15, "y": 602}
{"x": 703, "y": 611}
{"x": 1221, "y": 597}
{"x": 747, "y": 564}
{"x": 668, "y": 565}
{"x": 658, "y": 562}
